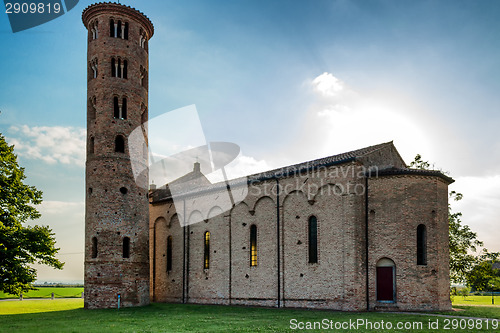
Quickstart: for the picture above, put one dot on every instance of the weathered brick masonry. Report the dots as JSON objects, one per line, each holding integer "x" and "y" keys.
{"x": 116, "y": 216}
{"x": 368, "y": 207}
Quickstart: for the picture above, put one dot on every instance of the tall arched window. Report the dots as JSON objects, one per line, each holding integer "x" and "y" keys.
{"x": 124, "y": 109}
{"x": 169, "y": 253}
{"x": 116, "y": 107}
{"x": 124, "y": 69}
{"x": 119, "y": 144}
{"x": 421, "y": 245}
{"x": 126, "y": 247}
{"x": 313, "y": 240}
{"x": 112, "y": 28}
{"x": 206, "y": 251}
{"x": 94, "y": 247}
{"x": 253, "y": 245}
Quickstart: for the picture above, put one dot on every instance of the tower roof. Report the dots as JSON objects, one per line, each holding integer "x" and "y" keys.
{"x": 102, "y": 7}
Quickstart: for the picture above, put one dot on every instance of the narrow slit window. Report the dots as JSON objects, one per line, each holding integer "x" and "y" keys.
{"x": 124, "y": 109}
{"x": 206, "y": 254}
{"x": 119, "y": 30}
{"x": 253, "y": 245}
{"x": 119, "y": 144}
{"x": 94, "y": 247}
{"x": 313, "y": 240}
{"x": 169, "y": 253}
{"x": 126, "y": 31}
{"x": 124, "y": 70}
{"x": 111, "y": 28}
{"x": 113, "y": 67}
{"x": 421, "y": 245}
{"x": 116, "y": 108}
{"x": 126, "y": 247}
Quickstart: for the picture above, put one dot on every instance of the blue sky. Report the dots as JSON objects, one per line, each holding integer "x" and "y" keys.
{"x": 288, "y": 81}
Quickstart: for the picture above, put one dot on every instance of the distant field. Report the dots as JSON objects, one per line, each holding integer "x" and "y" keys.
{"x": 476, "y": 300}
{"x": 67, "y": 315}
{"x": 45, "y": 292}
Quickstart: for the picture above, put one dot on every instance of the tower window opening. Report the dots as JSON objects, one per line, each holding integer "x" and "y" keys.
{"x": 119, "y": 68}
{"x": 93, "y": 32}
{"x": 169, "y": 253}
{"x": 253, "y": 245}
{"x": 126, "y": 247}
{"x": 93, "y": 69}
{"x": 119, "y": 144}
{"x": 421, "y": 245}
{"x": 123, "y": 190}
{"x": 123, "y": 114}
{"x": 206, "y": 252}
{"x": 112, "y": 28}
{"x": 143, "y": 40}
{"x": 94, "y": 247}
{"x": 116, "y": 107}
{"x": 124, "y": 69}
{"x": 92, "y": 108}
{"x": 144, "y": 77}
{"x": 119, "y": 109}
{"x": 118, "y": 29}
{"x": 113, "y": 67}
{"x": 313, "y": 240}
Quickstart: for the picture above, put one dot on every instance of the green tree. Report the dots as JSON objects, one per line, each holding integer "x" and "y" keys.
{"x": 20, "y": 245}
{"x": 480, "y": 276}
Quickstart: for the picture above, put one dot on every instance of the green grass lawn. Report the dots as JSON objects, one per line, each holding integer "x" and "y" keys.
{"x": 68, "y": 316}
{"x": 476, "y": 300}
{"x": 45, "y": 292}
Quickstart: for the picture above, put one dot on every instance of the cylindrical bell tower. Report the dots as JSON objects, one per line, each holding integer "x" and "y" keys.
{"x": 116, "y": 215}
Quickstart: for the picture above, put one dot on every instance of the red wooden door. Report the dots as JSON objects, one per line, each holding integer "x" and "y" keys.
{"x": 385, "y": 284}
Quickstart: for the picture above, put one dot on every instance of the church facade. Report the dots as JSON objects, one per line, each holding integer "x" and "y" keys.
{"x": 356, "y": 231}
{"x": 352, "y": 232}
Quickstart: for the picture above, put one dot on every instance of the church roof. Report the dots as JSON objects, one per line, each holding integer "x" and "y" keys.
{"x": 359, "y": 155}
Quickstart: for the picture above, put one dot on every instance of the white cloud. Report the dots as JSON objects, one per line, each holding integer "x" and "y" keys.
{"x": 57, "y": 144}
{"x": 328, "y": 85}
{"x": 480, "y": 207}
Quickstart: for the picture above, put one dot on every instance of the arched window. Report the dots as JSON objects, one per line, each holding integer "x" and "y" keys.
{"x": 116, "y": 108}
{"x": 120, "y": 30}
{"x": 123, "y": 114}
{"x": 91, "y": 145}
{"x": 112, "y": 28}
{"x": 92, "y": 108}
{"x": 421, "y": 245}
{"x": 126, "y": 247}
{"x": 313, "y": 240}
{"x": 93, "y": 69}
{"x": 206, "y": 251}
{"x": 94, "y": 247}
{"x": 169, "y": 253}
{"x": 124, "y": 69}
{"x": 253, "y": 245}
{"x": 125, "y": 31}
{"x": 119, "y": 144}
{"x": 113, "y": 67}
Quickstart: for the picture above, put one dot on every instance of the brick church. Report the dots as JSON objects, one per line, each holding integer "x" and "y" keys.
{"x": 355, "y": 231}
